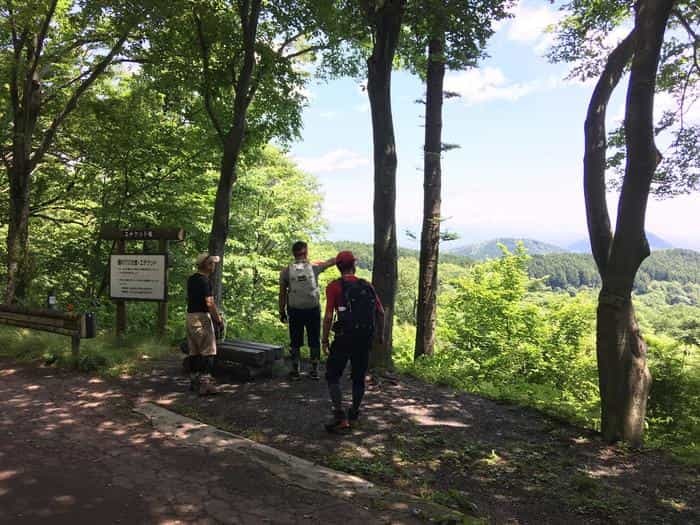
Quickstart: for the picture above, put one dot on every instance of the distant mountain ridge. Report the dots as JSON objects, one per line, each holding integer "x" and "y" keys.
{"x": 491, "y": 250}
{"x": 655, "y": 243}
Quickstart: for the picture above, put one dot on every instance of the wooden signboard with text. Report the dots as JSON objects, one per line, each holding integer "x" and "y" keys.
{"x": 140, "y": 277}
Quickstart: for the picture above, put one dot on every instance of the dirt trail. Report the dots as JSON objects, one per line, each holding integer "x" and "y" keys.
{"x": 71, "y": 448}
{"x": 503, "y": 463}
{"x": 73, "y": 451}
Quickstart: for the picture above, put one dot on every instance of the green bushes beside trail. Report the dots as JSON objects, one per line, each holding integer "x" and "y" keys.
{"x": 104, "y": 354}
{"x": 498, "y": 338}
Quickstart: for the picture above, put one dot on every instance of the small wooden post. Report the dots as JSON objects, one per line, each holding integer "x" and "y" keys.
{"x": 121, "y": 303}
{"x": 163, "y": 305}
{"x": 75, "y": 345}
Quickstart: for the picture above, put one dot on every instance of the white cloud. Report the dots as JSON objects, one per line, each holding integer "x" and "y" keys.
{"x": 336, "y": 160}
{"x": 662, "y": 102}
{"x": 362, "y": 108}
{"x": 329, "y": 115}
{"x": 666, "y": 102}
{"x": 617, "y": 35}
{"x": 529, "y": 25}
{"x": 482, "y": 85}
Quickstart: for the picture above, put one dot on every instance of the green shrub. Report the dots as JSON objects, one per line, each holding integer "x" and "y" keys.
{"x": 104, "y": 354}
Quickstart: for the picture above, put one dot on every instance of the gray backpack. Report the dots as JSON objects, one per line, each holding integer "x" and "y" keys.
{"x": 303, "y": 288}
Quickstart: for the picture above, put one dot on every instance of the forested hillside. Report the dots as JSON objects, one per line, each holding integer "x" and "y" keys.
{"x": 678, "y": 269}
{"x": 572, "y": 270}
{"x": 655, "y": 243}
{"x": 491, "y": 249}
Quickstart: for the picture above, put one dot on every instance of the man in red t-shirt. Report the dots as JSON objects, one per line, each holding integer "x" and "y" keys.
{"x": 356, "y": 307}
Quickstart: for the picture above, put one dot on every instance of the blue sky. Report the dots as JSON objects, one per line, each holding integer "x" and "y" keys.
{"x": 518, "y": 171}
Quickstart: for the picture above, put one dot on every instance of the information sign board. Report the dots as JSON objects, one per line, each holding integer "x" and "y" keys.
{"x": 138, "y": 277}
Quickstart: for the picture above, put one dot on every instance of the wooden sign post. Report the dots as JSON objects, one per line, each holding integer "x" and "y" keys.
{"x": 140, "y": 277}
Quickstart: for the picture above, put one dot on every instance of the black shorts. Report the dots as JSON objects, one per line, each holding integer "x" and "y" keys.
{"x": 348, "y": 348}
{"x": 300, "y": 319}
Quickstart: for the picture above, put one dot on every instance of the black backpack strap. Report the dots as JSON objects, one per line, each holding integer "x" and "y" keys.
{"x": 369, "y": 286}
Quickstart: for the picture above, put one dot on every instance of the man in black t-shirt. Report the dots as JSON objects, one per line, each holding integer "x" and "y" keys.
{"x": 202, "y": 313}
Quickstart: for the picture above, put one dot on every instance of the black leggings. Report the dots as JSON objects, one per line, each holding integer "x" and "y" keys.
{"x": 356, "y": 350}
{"x": 202, "y": 364}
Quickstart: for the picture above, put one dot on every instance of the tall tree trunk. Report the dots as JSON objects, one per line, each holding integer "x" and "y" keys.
{"x": 387, "y": 28}
{"x": 18, "y": 231}
{"x": 26, "y": 105}
{"x": 29, "y": 147}
{"x": 249, "y": 12}
{"x": 222, "y": 208}
{"x": 430, "y": 234}
{"x": 623, "y": 375}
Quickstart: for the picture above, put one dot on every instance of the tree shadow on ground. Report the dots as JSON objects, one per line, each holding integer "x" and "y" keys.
{"x": 72, "y": 451}
{"x": 495, "y": 460}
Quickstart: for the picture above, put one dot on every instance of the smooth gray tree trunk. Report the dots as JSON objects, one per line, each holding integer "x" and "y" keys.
{"x": 432, "y": 183}
{"x": 387, "y": 27}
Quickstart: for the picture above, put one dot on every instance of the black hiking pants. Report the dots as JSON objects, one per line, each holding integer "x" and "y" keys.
{"x": 309, "y": 320}
{"x": 353, "y": 348}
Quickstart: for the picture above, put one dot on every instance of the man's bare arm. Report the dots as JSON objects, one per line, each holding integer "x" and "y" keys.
{"x": 213, "y": 311}
{"x": 282, "y": 300}
{"x": 327, "y": 322}
{"x": 324, "y": 265}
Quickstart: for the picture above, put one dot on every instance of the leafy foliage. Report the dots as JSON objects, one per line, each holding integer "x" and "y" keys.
{"x": 277, "y": 205}
{"x": 585, "y": 37}
{"x": 501, "y": 336}
{"x": 464, "y": 27}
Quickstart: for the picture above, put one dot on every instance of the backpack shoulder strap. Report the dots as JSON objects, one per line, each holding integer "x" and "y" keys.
{"x": 368, "y": 285}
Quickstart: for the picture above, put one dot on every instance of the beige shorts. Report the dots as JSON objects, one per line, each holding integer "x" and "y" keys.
{"x": 201, "y": 339}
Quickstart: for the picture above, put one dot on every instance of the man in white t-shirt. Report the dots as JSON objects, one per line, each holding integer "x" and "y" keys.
{"x": 299, "y": 304}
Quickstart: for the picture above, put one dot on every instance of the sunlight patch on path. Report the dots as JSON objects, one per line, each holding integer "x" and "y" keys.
{"x": 293, "y": 470}
{"x": 425, "y": 416}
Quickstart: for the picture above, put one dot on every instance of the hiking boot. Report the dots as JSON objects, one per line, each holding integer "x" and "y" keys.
{"x": 207, "y": 386}
{"x": 339, "y": 423}
{"x": 353, "y": 414}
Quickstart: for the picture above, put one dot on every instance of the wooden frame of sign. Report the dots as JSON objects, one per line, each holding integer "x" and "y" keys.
{"x": 163, "y": 236}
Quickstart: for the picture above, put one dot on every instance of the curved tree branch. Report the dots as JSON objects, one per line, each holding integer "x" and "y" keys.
{"x": 41, "y": 38}
{"x": 73, "y": 101}
{"x": 595, "y": 149}
{"x": 206, "y": 83}
{"x": 686, "y": 25}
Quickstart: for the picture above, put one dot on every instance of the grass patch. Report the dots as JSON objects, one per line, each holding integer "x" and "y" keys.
{"x": 673, "y": 420}
{"x": 371, "y": 468}
{"x": 106, "y": 355}
{"x": 458, "y": 500}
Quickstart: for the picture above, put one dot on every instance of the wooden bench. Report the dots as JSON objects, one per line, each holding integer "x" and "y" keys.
{"x": 76, "y": 326}
{"x": 246, "y": 358}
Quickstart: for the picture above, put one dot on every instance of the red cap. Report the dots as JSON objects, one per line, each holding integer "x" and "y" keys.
{"x": 345, "y": 259}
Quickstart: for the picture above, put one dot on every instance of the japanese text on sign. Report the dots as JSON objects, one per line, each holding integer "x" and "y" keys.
{"x": 138, "y": 277}
{"x": 137, "y": 234}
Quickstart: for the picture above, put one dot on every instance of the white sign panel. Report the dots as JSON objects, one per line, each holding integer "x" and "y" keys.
{"x": 138, "y": 277}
